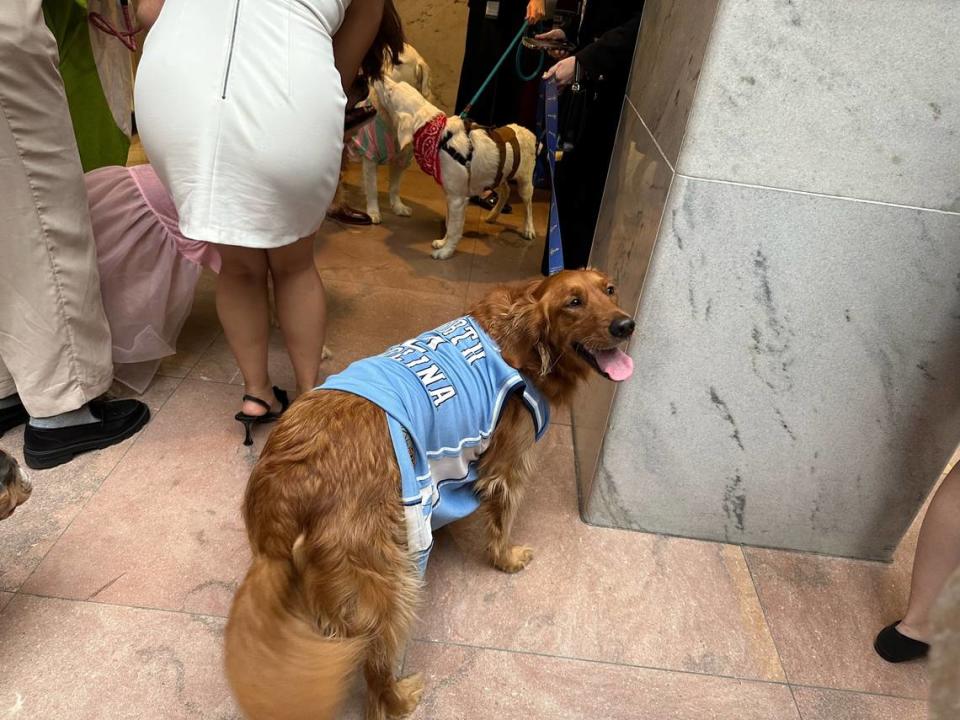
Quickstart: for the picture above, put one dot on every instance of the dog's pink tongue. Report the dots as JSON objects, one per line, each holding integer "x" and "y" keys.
{"x": 615, "y": 363}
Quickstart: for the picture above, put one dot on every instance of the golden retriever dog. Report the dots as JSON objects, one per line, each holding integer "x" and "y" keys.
{"x": 333, "y": 582}
{"x": 15, "y": 489}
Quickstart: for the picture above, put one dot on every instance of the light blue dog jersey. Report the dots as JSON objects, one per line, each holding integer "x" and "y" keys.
{"x": 445, "y": 390}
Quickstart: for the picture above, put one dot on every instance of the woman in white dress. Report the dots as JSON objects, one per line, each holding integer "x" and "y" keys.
{"x": 240, "y": 107}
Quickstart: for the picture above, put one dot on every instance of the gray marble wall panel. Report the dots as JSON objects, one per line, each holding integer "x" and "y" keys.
{"x": 857, "y": 99}
{"x": 796, "y": 377}
{"x": 666, "y": 66}
{"x": 636, "y": 190}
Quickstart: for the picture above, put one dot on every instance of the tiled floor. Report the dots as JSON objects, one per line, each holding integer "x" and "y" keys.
{"x": 116, "y": 576}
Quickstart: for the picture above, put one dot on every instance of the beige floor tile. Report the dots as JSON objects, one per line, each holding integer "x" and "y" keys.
{"x": 199, "y": 331}
{"x": 473, "y": 683}
{"x": 397, "y": 252}
{"x": 217, "y": 364}
{"x": 816, "y": 704}
{"x": 5, "y": 597}
{"x": 592, "y": 593}
{"x": 367, "y": 319}
{"x": 825, "y": 612}
{"x": 165, "y": 529}
{"x": 65, "y": 660}
{"x": 58, "y": 495}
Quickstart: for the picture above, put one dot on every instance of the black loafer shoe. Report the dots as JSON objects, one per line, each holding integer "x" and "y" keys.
{"x": 116, "y": 421}
{"x": 11, "y": 417}
{"x": 894, "y": 647}
{"x": 489, "y": 202}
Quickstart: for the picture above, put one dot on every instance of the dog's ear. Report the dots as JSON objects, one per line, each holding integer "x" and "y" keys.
{"x": 423, "y": 78}
{"x": 404, "y": 129}
{"x": 532, "y": 322}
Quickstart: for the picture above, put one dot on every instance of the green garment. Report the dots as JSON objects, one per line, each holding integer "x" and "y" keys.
{"x": 99, "y": 139}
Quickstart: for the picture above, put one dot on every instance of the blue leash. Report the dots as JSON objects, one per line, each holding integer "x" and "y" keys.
{"x": 479, "y": 92}
{"x": 554, "y": 240}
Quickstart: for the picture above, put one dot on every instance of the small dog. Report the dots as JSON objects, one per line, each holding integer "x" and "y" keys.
{"x": 339, "y": 542}
{"x": 464, "y": 159}
{"x": 15, "y": 489}
{"x": 376, "y": 143}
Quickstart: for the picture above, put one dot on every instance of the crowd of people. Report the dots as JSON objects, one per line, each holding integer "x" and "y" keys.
{"x": 245, "y": 162}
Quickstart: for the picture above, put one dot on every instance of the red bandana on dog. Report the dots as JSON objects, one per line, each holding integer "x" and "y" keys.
{"x": 426, "y": 146}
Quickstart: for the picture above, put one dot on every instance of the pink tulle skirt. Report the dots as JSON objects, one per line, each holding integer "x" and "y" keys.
{"x": 148, "y": 270}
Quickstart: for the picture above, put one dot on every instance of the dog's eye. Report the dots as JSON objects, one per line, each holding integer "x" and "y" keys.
{"x": 611, "y": 290}
{"x": 575, "y": 302}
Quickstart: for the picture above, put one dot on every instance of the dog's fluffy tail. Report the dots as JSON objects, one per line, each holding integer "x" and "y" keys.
{"x": 279, "y": 666}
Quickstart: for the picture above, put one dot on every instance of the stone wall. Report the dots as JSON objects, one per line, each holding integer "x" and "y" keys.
{"x": 783, "y": 211}
{"x": 438, "y": 30}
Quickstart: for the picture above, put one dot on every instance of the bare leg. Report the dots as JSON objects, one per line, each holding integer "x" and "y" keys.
{"x": 937, "y": 556}
{"x": 301, "y": 306}
{"x": 245, "y": 315}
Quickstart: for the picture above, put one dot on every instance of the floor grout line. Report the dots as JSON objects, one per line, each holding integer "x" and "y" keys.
{"x": 640, "y": 666}
{"x": 126, "y": 606}
{"x": 766, "y": 622}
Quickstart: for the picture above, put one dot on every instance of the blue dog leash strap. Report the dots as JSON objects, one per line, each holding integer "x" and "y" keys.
{"x": 554, "y": 241}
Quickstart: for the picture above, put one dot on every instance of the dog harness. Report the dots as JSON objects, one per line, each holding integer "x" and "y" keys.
{"x": 443, "y": 394}
{"x": 433, "y": 137}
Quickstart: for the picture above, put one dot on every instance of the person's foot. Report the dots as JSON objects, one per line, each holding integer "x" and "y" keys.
{"x": 348, "y": 216}
{"x": 896, "y": 647}
{"x": 12, "y": 416}
{"x": 270, "y": 401}
{"x": 115, "y": 421}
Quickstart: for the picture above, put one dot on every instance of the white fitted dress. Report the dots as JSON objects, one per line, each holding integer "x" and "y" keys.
{"x": 240, "y": 109}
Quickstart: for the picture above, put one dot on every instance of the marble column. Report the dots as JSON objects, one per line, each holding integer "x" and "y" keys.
{"x": 783, "y": 211}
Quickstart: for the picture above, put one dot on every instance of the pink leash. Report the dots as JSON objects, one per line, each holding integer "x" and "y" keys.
{"x": 128, "y": 37}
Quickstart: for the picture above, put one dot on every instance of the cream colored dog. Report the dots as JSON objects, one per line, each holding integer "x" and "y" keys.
{"x": 465, "y": 160}
{"x": 412, "y": 69}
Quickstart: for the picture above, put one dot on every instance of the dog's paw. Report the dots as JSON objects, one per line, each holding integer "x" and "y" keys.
{"x": 401, "y": 210}
{"x": 438, "y": 243}
{"x": 515, "y": 559}
{"x": 375, "y": 216}
{"x": 409, "y": 694}
{"x": 443, "y": 253}
{"x": 528, "y": 234}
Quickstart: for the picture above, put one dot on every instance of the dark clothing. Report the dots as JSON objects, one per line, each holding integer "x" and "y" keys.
{"x": 605, "y": 42}
{"x": 487, "y": 39}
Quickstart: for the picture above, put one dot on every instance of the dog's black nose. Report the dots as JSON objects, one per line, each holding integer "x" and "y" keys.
{"x": 622, "y": 327}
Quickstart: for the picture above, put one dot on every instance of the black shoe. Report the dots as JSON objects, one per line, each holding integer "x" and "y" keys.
{"x": 117, "y": 420}
{"x": 894, "y": 647}
{"x": 487, "y": 203}
{"x": 12, "y": 416}
{"x": 248, "y": 421}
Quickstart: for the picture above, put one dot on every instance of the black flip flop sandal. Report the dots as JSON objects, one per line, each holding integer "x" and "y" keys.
{"x": 248, "y": 421}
